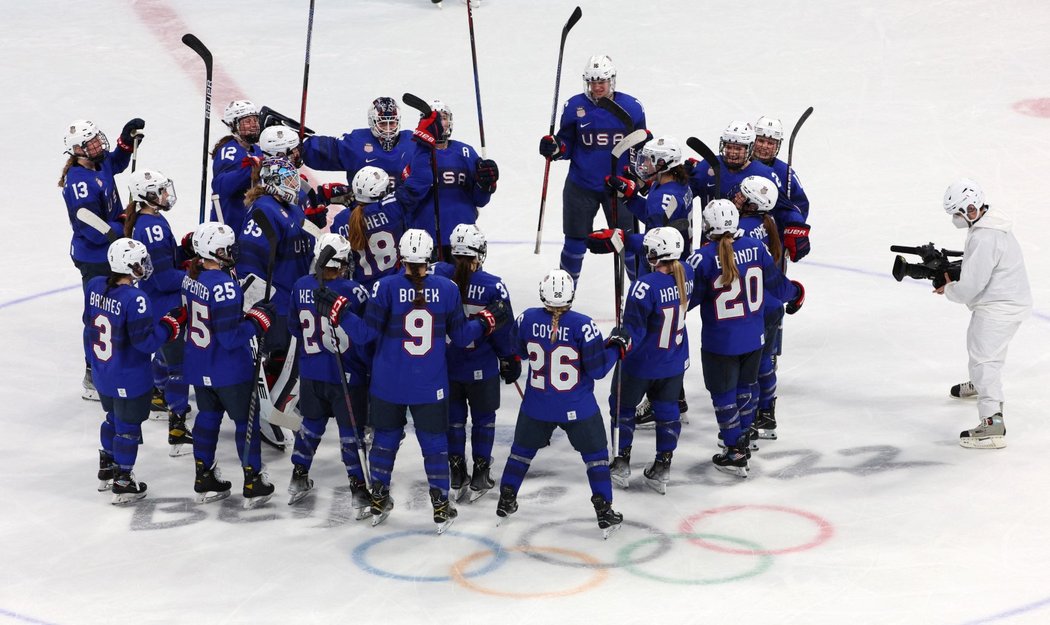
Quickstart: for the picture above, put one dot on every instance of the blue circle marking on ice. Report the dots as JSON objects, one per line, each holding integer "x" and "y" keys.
{"x": 499, "y": 556}
{"x": 1024, "y": 609}
{"x": 29, "y": 298}
{"x": 22, "y": 618}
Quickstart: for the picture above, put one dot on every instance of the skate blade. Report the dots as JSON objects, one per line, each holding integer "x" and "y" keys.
{"x": 657, "y": 485}
{"x": 212, "y": 496}
{"x": 105, "y": 485}
{"x": 180, "y": 449}
{"x": 379, "y": 518}
{"x": 478, "y": 494}
{"x": 608, "y": 531}
{"x": 740, "y": 472}
{"x": 767, "y": 435}
{"x": 89, "y": 395}
{"x": 299, "y": 496}
{"x": 158, "y": 416}
{"x": 648, "y": 425}
{"x": 123, "y": 499}
{"x": 360, "y": 514}
{"x": 985, "y": 442}
{"x": 444, "y": 525}
{"x": 457, "y": 494}
{"x": 621, "y": 481}
{"x": 252, "y": 503}
{"x": 500, "y": 519}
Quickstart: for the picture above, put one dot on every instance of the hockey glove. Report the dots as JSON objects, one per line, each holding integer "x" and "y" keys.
{"x": 510, "y": 369}
{"x": 605, "y": 241}
{"x": 622, "y": 186}
{"x": 690, "y": 165}
{"x": 316, "y": 210}
{"x": 495, "y": 316}
{"x": 262, "y": 314}
{"x": 255, "y": 162}
{"x": 330, "y": 304}
{"x": 126, "y": 141}
{"x": 187, "y": 245}
{"x": 796, "y": 240}
{"x": 428, "y": 130}
{"x": 335, "y": 193}
{"x": 796, "y": 303}
{"x": 174, "y": 319}
{"x": 486, "y": 174}
{"x": 619, "y": 339}
{"x": 552, "y": 148}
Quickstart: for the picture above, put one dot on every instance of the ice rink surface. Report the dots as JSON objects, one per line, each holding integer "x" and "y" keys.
{"x": 866, "y": 511}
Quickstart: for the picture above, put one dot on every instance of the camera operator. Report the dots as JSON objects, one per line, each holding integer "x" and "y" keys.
{"x": 994, "y": 286}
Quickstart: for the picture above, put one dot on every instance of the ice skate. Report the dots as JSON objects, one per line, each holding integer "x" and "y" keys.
{"x": 963, "y": 390}
{"x": 457, "y": 471}
{"x": 89, "y": 392}
{"x": 683, "y": 408}
{"x": 480, "y": 481}
{"x": 208, "y": 485}
{"x": 300, "y": 485}
{"x": 106, "y": 470}
{"x": 508, "y": 504}
{"x": 733, "y": 460}
{"x": 360, "y": 501}
{"x": 380, "y": 503}
{"x": 608, "y": 519}
{"x": 437, "y": 3}
{"x": 990, "y": 434}
{"x": 766, "y": 422}
{"x": 745, "y": 437}
{"x": 658, "y": 473}
{"x": 158, "y": 404}
{"x": 445, "y": 512}
{"x": 620, "y": 468}
{"x": 126, "y": 490}
{"x": 257, "y": 489}
{"x": 644, "y": 419}
{"x": 179, "y": 436}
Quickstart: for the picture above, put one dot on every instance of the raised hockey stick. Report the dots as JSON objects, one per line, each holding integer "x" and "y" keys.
{"x": 269, "y": 117}
{"x": 322, "y": 259}
{"x": 791, "y": 148}
{"x": 202, "y": 51}
{"x": 424, "y": 109}
{"x": 99, "y": 224}
{"x": 613, "y": 107}
{"x": 628, "y": 142}
{"x": 575, "y": 17}
{"x": 477, "y": 86}
{"x": 268, "y": 232}
{"x": 709, "y": 157}
{"x": 137, "y": 136}
{"x": 306, "y": 71}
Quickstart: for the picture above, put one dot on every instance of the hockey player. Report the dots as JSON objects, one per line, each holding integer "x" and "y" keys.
{"x": 993, "y": 284}
{"x": 87, "y": 182}
{"x": 380, "y": 145}
{"x": 586, "y": 138}
{"x": 755, "y": 201}
{"x": 735, "y": 148}
{"x": 466, "y": 182}
{"x": 408, "y": 318}
{"x": 152, "y": 194}
{"x": 566, "y": 355}
{"x": 373, "y": 225}
{"x": 219, "y": 364}
{"x": 122, "y": 332}
{"x": 733, "y": 274}
{"x": 232, "y": 159}
{"x": 321, "y": 391}
{"x": 654, "y": 318}
{"x": 792, "y": 209}
{"x": 474, "y": 371}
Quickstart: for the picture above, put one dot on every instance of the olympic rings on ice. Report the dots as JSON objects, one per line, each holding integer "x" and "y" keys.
{"x": 360, "y": 555}
{"x": 662, "y": 539}
{"x": 600, "y": 573}
{"x": 764, "y": 560}
{"x": 824, "y": 529}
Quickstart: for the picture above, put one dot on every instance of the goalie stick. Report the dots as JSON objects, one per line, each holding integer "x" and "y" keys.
{"x": 263, "y": 222}
{"x": 424, "y": 109}
{"x": 202, "y": 51}
{"x": 575, "y": 17}
{"x": 791, "y": 148}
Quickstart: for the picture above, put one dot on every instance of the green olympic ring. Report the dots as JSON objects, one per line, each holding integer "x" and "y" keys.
{"x": 764, "y": 560}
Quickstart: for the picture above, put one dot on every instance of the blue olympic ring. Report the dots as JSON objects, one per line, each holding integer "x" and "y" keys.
{"x": 361, "y": 551}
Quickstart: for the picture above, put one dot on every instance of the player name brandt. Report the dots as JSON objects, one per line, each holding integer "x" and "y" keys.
{"x": 409, "y": 295}
{"x": 107, "y": 304}
{"x": 746, "y": 255}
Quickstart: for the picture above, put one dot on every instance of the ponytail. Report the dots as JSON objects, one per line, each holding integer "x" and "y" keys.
{"x": 253, "y": 194}
{"x": 130, "y": 217}
{"x": 416, "y": 273}
{"x": 556, "y": 314}
{"x": 463, "y": 273}
{"x": 679, "y": 279}
{"x": 222, "y": 142}
{"x": 355, "y": 228}
{"x": 72, "y": 160}
{"x": 775, "y": 248}
{"x": 195, "y": 268}
{"x": 726, "y": 259}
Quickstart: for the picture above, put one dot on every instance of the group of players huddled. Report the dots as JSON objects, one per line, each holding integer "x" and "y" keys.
{"x": 377, "y": 325}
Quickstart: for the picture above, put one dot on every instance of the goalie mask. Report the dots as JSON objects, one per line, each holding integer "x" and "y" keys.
{"x": 468, "y": 240}
{"x": 215, "y": 241}
{"x": 86, "y": 140}
{"x": 384, "y": 119}
{"x": 557, "y": 289}
{"x": 130, "y": 258}
{"x": 281, "y": 179}
{"x": 152, "y": 188}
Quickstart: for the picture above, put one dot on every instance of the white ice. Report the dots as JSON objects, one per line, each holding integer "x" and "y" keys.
{"x": 872, "y": 512}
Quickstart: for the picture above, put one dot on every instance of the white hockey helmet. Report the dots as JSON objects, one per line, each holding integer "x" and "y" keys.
{"x": 738, "y": 133}
{"x": 281, "y": 178}
{"x": 370, "y": 184}
{"x": 446, "y": 118}
{"x": 131, "y": 258}
{"x": 771, "y": 129}
{"x": 599, "y": 68}
{"x": 557, "y": 289}
{"x": 662, "y": 244}
{"x": 416, "y": 246}
{"x": 468, "y": 240}
{"x": 80, "y": 133}
{"x": 658, "y": 156}
{"x": 337, "y": 242}
{"x": 153, "y": 188}
{"x": 384, "y": 119}
{"x": 761, "y": 192}
{"x": 236, "y": 110}
{"x": 214, "y": 241}
{"x": 278, "y": 141}
{"x": 960, "y": 196}
{"x": 721, "y": 217}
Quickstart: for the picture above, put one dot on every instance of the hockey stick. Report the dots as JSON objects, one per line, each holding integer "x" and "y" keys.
{"x": 477, "y": 87}
{"x": 613, "y": 107}
{"x": 628, "y": 142}
{"x": 269, "y": 117}
{"x": 266, "y": 227}
{"x": 202, "y": 51}
{"x": 96, "y": 222}
{"x": 424, "y": 109}
{"x": 322, "y": 260}
{"x": 709, "y": 157}
{"x": 575, "y": 17}
{"x": 137, "y": 136}
{"x": 791, "y": 147}
{"x": 306, "y": 71}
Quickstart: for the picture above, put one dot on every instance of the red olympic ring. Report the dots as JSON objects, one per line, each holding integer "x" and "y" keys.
{"x": 826, "y": 530}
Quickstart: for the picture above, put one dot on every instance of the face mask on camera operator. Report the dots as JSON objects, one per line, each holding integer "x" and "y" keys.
{"x": 964, "y": 201}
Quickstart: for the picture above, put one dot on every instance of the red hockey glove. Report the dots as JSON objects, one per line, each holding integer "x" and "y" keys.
{"x": 605, "y": 241}
{"x": 796, "y": 240}
{"x": 794, "y": 304}
{"x": 621, "y": 186}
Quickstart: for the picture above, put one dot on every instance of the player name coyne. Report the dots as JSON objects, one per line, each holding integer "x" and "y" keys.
{"x": 543, "y": 331}
{"x": 107, "y": 304}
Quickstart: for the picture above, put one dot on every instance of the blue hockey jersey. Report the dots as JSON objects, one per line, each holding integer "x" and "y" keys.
{"x": 97, "y": 192}
{"x": 231, "y": 179}
{"x": 702, "y": 182}
{"x": 121, "y": 335}
{"x": 218, "y": 351}
{"x": 355, "y": 150}
{"x": 164, "y": 287}
{"x": 315, "y": 337}
{"x": 589, "y": 133}
{"x": 294, "y": 248}
{"x": 561, "y": 369}
{"x": 478, "y": 360}
{"x": 654, "y": 318}
{"x": 384, "y": 224}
